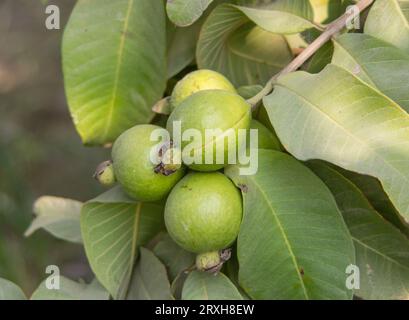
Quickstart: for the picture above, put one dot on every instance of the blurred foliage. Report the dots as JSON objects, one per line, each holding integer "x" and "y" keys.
{"x": 40, "y": 152}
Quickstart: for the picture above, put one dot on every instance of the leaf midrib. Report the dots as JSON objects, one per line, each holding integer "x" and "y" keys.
{"x": 287, "y": 242}
{"x": 121, "y": 50}
{"x": 135, "y": 233}
{"x": 369, "y": 207}
{"x": 344, "y": 129}
{"x": 206, "y": 294}
{"x": 380, "y": 253}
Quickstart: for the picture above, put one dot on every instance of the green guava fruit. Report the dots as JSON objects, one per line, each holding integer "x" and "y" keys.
{"x": 134, "y": 169}
{"x": 266, "y": 139}
{"x": 203, "y": 213}
{"x": 197, "y": 81}
{"x": 208, "y": 110}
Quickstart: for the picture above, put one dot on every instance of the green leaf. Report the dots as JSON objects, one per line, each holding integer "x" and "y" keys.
{"x": 241, "y": 42}
{"x": 289, "y": 17}
{"x": 262, "y": 116}
{"x": 59, "y": 216}
{"x": 297, "y": 42}
{"x": 248, "y": 92}
{"x": 382, "y": 251}
{"x": 231, "y": 269}
{"x": 149, "y": 279}
{"x": 71, "y": 290}
{"x": 177, "y": 285}
{"x": 206, "y": 286}
{"x": 113, "y": 226}
{"x": 174, "y": 257}
{"x": 304, "y": 9}
{"x": 334, "y": 116}
{"x": 184, "y": 12}
{"x": 10, "y": 291}
{"x": 325, "y": 12}
{"x": 266, "y": 139}
{"x": 376, "y": 62}
{"x": 388, "y": 20}
{"x": 321, "y": 58}
{"x": 114, "y": 61}
{"x": 372, "y": 189}
{"x": 293, "y": 243}
{"x": 181, "y": 46}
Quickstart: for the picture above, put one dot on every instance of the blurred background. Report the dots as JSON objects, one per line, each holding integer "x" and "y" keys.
{"x": 40, "y": 151}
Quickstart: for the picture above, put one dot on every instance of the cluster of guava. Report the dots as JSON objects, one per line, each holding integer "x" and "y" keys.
{"x": 203, "y": 208}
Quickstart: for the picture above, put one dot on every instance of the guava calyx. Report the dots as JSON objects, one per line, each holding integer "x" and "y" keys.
{"x": 104, "y": 174}
{"x": 213, "y": 261}
{"x": 170, "y": 159}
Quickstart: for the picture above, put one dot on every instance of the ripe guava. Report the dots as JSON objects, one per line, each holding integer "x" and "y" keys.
{"x": 134, "y": 170}
{"x": 208, "y": 110}
{"x": 203, "y": 213}
{"x": 197, "y": 81}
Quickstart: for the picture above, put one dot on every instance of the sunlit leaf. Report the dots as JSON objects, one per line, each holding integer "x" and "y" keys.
{"x": 243, "y": 43}
{"x": 114, "y": 61}
{"x": 376, "y": 62}
{"x": 388, "y": 20}
{"x": 334, "y": 116}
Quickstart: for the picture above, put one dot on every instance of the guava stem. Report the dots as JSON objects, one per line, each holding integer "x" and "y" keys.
{"x": 331, "y": 30}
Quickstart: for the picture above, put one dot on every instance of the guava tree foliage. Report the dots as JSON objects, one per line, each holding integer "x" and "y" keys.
{"x": 330, "y": 198}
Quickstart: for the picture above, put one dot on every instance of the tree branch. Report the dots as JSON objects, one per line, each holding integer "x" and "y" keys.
{"x": 331, "y": 30}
